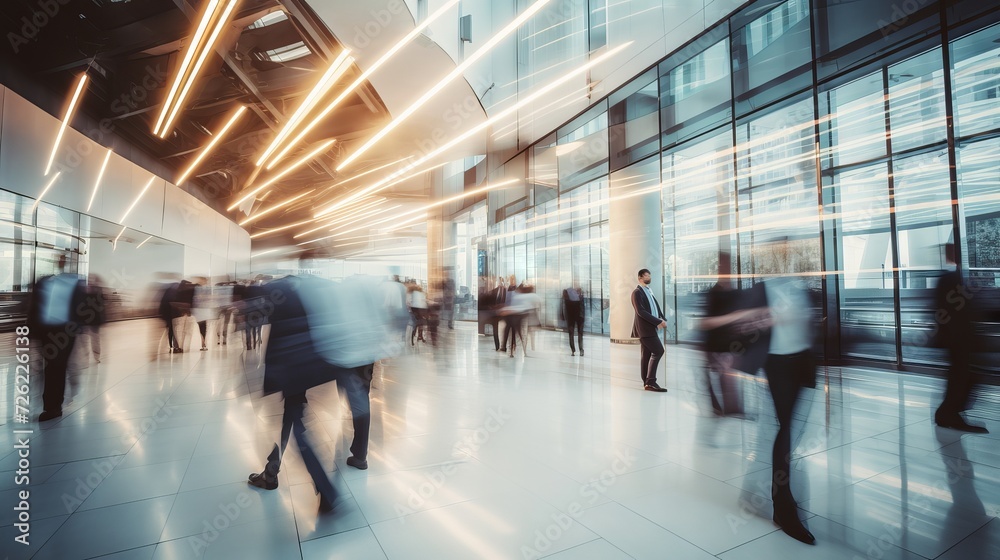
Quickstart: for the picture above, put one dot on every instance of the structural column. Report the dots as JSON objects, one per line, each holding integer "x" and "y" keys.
{"x": 635, "y": 242}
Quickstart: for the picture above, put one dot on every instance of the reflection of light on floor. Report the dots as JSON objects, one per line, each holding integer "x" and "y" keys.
{"x": 459, "y": 529}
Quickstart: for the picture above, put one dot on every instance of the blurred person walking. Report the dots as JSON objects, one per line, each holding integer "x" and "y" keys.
{"x": 955, "y": 332}
{"x": 648, "y": 321}
{"x": 417, "y": 302}
{"x": 790, "y": 366}
{"x": 57, "y": 309}
{"x": 203, "y": 308}
{"x": 573, "y": 313}
{"x": 292, "y": 366}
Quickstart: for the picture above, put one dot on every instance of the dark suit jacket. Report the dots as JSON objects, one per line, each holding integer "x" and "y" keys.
{"x": 291, "y": 363}
{"x": 646, "y": 319}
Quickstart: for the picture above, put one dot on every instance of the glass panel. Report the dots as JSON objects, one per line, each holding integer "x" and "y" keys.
{"x": 854, "y": 129}
{"x": 698, "y": 193}
{"x": 772, "y": 57}
{"x": 582, "y": 153}
{"x": 975, "y": 82}
{"x": 779, "y": 228}
{"x": 697, "y": 94}
{"x": 17, "y": 239}
{"x": 867, "y": 288}
{"x": 916, "y": 102}
{"x": 850, "y": 32}
{"x": 924, "y": 225}
{"x": 634, "y": 132}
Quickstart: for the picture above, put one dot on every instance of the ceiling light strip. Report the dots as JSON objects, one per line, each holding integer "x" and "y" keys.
{"x": 275, "y": 207}
{"x": 65, "y": 122}
{"x": 192, "y": 49}
{"x": 136, "y": 201}
{"x": 336, "y": 70}
{"x": 385, "y": 182}
{"x": 363, "y": 78}
{"x": 48, "y": 186}
{"x": 100, "y": 175}
{"x": 381, "y": 185}
{"x": 302, "y": 161}
{"x": 458, "y": 72}
{"x": 205, "y": 51}
{"x": 144, "y": 242}
{"x": 277, "y": 229}
{"x": 211, "y": 145}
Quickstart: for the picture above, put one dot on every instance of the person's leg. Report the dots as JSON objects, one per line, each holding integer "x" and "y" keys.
{"x": 495, "y": 324}
{"x": 321, "y": 482}
{"x": 644, "y": 359}
{"x": 54, "y": 391}
{"x": 203, "y": 330}
{"x": 357, "y": 383}
{"x": 95, "y": 342}
{"x": 170, "y": 332}
{"x": 652, "y": 345}
{"x": 579, "y": 333}
{"x": 570, "y": 325}
{"x": 784, "y": 387}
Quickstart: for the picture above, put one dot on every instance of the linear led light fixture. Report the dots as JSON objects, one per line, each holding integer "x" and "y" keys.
{"x": 382, "y": 184}
{"x": 65, "y": 122}
{"x": 370, "y": 171}
{"x": 114, "y": 244}
{"x": 262, "y": 253}
{"x": 427, "y": 207}
{"x": 100, "y": 175}
{"x": 198, "y": 50}
{"x": 275, "y": 207}
{"x": 139, "y": 246}
{"x": 442, "y": 202}
{"x": 363, "y": 78}
{"x": 211, "y": 145}
{"x": 331, "y": 220}
{"x": 149, "y": 183}
{"x": 336, "y": 70}
{"x": 277, "y": 229}
{"x": 48, "y": 186}
{"x": 340, "y": 227}
{"x": 302, "y": 161}
{"x": 456, "y": 73}
{"x": 192, "y": 48}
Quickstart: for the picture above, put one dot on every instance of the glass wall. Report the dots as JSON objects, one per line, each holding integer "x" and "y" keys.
{"x": 794, "y": 139}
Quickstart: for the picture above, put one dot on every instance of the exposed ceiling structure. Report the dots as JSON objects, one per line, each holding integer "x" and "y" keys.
{"x": 268, "y": 58}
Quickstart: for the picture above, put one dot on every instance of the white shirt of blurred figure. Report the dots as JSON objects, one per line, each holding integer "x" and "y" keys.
{"x": 418, "y": 300}
{"x": 791, "y": 312}
{"x": 523, "y": 302}
{"x": 204, "y": 305}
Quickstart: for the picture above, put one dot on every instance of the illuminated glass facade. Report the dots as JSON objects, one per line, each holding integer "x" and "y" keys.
{"x": 861, "y": 136}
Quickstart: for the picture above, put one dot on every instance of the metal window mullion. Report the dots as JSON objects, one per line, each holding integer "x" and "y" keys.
{"x": 893, "y": 239}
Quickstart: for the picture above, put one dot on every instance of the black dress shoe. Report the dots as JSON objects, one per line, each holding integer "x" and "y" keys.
{"x": 325, "y": 506}
{"x": 258, "y": 480}
{"x": 360, "y": 464}
{"x": 655, "y": 388}
{"x": 962, "y": 426}
{"x": 795, "y": 529}
{"x": 581, "y": 352}
{"x": 49, "y": 415}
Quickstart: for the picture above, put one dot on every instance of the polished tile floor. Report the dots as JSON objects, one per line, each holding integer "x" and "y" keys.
{"x": 478, "y": 455}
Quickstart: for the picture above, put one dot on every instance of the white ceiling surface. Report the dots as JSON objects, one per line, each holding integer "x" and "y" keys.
{"x": 411, "y": 72}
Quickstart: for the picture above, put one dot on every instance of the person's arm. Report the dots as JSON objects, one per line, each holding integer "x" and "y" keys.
{"x": 709, "y": 323}
{"x": 642, "y": 313}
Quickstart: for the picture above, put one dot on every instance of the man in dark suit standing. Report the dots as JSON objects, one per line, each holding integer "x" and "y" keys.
{"x": 648, "y": 321}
